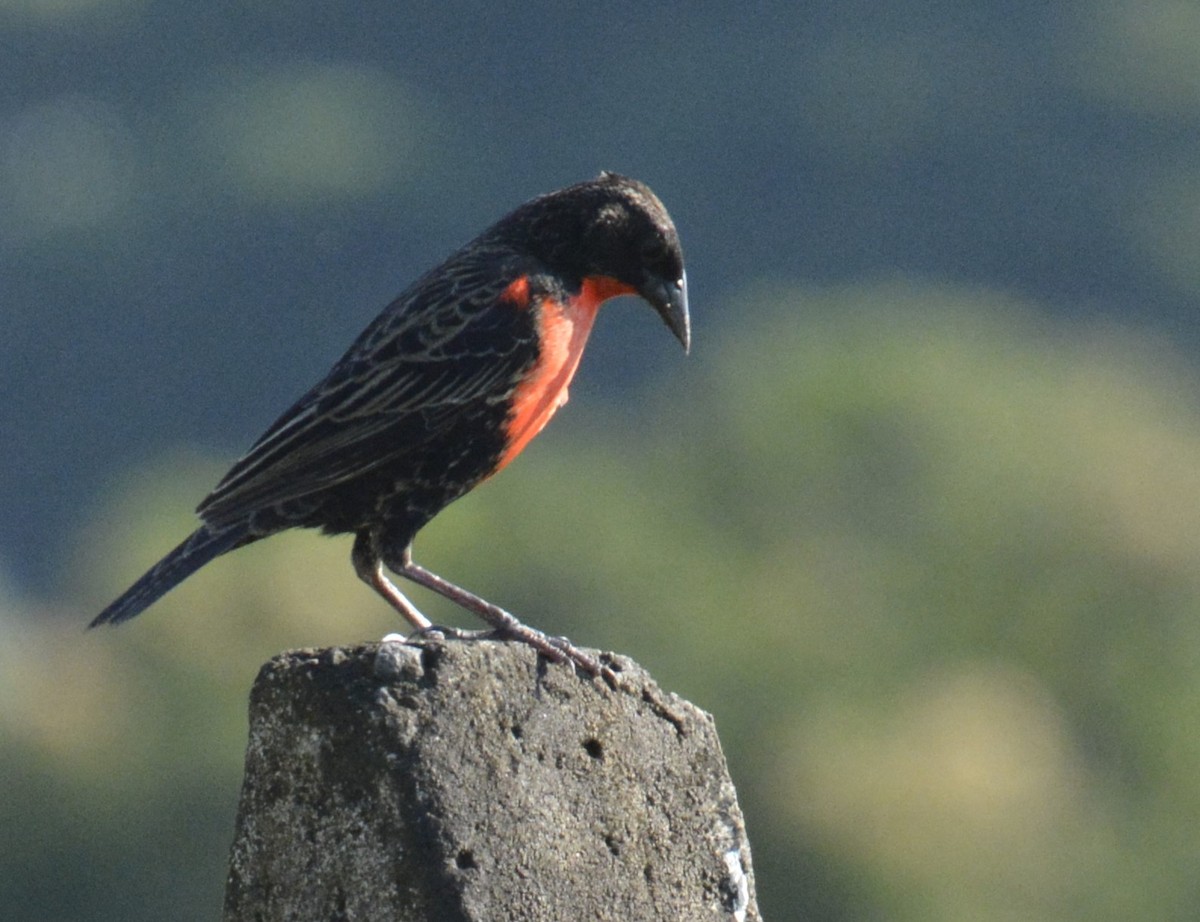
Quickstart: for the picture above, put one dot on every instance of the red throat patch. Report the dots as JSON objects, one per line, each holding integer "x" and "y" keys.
{"x": 563, "y": 330}
{"x": 517, "y": 292}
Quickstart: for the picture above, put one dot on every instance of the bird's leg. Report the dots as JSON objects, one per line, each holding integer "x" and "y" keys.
{"x": 558, "y": 649}
{"x": 369, "y": 568}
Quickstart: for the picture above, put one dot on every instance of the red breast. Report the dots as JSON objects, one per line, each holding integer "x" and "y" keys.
{"x": 563, "y": 330}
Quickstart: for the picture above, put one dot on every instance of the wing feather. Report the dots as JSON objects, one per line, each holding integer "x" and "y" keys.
{"x": 446, "y": 344}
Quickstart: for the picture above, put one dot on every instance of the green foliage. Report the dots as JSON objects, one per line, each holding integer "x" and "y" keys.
{"x": 931, "y": 561}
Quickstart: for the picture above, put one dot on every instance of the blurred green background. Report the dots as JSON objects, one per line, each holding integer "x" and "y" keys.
{"x": 917, "y": 520}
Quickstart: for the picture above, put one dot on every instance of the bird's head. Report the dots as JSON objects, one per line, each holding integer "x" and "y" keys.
{"x": 613, "y": 227}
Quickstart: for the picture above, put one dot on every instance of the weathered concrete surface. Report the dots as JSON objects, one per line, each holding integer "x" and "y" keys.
{"x": 474, "y": 781}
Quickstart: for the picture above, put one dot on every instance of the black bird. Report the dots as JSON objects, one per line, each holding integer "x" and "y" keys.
{"x": 442, "y": 390}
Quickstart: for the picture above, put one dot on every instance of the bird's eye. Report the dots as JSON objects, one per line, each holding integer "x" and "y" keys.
{"x": 654, "y": 251}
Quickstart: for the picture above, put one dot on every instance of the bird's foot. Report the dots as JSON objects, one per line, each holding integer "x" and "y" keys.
{"x": 439, "y": 632}
{"x": 560, "y": 650}
{"x": 556, "y": 649}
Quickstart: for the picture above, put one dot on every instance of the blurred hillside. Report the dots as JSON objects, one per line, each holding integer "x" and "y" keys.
{"x": 931, "y": 559}
{"x": 200, "y": 205}
{"x": 916, "y": 520}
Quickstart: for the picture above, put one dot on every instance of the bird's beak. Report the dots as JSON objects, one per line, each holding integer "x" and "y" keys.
{"x": 671, "y": 301}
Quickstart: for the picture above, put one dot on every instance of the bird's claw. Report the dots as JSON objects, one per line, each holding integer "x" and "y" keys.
{"x": 441, "y": 632}
{"x": 557, "y": 649}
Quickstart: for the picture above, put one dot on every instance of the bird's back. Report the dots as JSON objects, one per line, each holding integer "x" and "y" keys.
{"x": 411, "y": 417}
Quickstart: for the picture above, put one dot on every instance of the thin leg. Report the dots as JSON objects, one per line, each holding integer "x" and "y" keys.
{"x": 558, "y": 649}
{"x": 369, "y": 568}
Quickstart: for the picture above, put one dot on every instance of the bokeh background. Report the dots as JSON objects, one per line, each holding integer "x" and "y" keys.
{"x": 918, "y": 519}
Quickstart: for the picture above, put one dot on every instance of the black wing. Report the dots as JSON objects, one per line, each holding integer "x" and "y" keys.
{"x": 447, "y": 343}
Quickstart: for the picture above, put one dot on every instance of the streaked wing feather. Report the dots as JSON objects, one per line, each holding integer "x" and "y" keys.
{"x": 435, "y": 350}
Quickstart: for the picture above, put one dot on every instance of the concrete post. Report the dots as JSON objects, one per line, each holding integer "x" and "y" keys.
{"x": 473, "y": 780}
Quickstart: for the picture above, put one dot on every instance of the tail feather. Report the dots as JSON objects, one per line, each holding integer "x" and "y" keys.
{"x": 202, "y": 546}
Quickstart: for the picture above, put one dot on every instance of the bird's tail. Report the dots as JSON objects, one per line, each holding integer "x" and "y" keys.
{"x": 202, "y": 546}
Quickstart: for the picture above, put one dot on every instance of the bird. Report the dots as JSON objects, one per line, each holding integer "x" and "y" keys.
{"x": 441, "y": 391}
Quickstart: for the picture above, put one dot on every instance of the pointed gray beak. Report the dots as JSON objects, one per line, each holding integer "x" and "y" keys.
{"x": 671, "y": 301}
